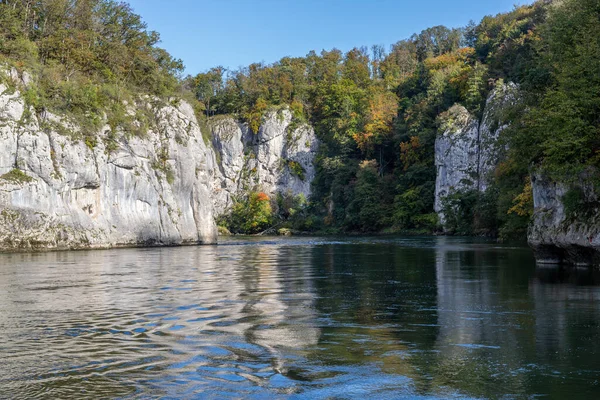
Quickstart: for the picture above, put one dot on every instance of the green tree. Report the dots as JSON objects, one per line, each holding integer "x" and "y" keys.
{"x": 250, "y": 214}
{"x": 560, "y": 130}
{"x": 208, "y": 85}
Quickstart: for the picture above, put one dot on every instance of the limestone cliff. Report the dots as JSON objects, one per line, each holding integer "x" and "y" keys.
{"x": 61, "y": 191}
{"x": 566, "y": 221}
{"x": 279, "y": 158}
{"x": 468, "y": 150}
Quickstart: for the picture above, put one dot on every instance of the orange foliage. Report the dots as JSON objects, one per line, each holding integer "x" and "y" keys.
{"x": 262, "y": 197}
{"x": 363, "y": 140}
{"x": 448, "y": 59}
{"x": 383, "y": 108}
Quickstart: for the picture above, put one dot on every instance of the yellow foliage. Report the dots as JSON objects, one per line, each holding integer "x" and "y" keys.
{"x": 297, "y": 108}
{"x": 523, "y": 203}
{"x": 255, "y": 115}
{"x": 449, "y": 59}
{"x": 369, "y": 164}
{"x": 383, "y": 108}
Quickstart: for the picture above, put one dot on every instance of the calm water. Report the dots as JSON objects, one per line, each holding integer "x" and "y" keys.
{"x": 298, "y": 318}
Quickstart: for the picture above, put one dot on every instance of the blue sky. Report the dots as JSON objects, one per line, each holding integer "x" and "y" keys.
{"x": 234, "y": 33}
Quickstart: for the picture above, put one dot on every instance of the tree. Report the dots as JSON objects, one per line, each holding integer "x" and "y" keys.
{"x": 433, "y": 42}
{"x": 208, "y": 85}
{"x": 383, "y": 108}
{"x": 251, "y": 214}
{"x": 400, "y": 64}
{"x": 561, "y": 132}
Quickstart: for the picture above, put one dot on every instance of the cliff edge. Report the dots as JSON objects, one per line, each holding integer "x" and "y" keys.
{"x": 61, "y": 189}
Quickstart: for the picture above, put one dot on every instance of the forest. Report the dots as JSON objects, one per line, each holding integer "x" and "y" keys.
{"x": 375, "y": 110}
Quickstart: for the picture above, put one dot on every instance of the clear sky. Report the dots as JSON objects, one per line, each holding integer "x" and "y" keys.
{"x": 234, "y": 33}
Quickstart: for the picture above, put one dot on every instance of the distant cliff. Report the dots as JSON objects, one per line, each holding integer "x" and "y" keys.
{"x": 565, "y": 227}
{"x": 279, "y": 158}
{"x": 467, "y": 150}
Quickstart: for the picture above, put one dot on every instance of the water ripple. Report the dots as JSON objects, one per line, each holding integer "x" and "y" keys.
{"x": 296, "y": 318}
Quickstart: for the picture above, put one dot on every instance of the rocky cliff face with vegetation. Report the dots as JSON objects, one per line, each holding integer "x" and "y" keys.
{"x": 468, "y": 150}
{"x": 417, "y": 138}
{"x": 566, "y": 220}
{"x": 565, "y": 224}
{"x": 59, "y": 190}
{"x": 279, "y": 158}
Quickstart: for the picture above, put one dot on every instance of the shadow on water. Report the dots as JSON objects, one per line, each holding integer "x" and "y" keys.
{"x": 382, "y": 317}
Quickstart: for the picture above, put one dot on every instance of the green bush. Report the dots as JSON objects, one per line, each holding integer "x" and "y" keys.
{"x": 458, "y": 209}
{"x": 408, "y": 210}
{"x": 296, "y": 169}
{"x": 288, "y": 205}
{"x": 578, "y": 206}
{"x": 284, "y": 232}
{"x": 223, "y": 231}
{"x": 16, "y": 176}
{"x": 426, "y": 223}
{"x": 250, "y": 214}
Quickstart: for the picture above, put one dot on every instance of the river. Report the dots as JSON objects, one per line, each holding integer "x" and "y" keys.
{"x": 305, "y": 318}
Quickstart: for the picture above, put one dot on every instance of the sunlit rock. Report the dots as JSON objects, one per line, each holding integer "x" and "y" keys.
{"x": 279, "y": 158}
{"x": 60, "y": 189}
{"x": 468, "y": 150}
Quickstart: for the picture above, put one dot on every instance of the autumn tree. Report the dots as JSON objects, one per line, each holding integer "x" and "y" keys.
{"x": 383, "y": 108}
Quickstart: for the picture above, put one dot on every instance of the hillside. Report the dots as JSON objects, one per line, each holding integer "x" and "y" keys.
{"x": 379, "y": 114}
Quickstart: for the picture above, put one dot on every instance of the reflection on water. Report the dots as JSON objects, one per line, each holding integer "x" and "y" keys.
{"x": 298, "y": 318}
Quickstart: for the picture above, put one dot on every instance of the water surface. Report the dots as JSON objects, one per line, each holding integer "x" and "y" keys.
{"x": 298, "y": 318}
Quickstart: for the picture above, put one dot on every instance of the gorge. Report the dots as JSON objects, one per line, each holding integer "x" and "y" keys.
{"x": 415, "y": 221}
{"x": 167, "y": 187}
{"x": 461, "y": 131}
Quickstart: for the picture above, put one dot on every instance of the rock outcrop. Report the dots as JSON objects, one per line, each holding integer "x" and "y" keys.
{"x": 566, "y": 221}
{"x": 279, "y": 158}
{"x": 61, "y": 191}
{"x": 468, "y": 150}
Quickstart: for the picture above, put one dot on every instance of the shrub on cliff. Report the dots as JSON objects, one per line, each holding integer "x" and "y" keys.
{"x": 87, "y": 56}
{"x": 250, "y": 214}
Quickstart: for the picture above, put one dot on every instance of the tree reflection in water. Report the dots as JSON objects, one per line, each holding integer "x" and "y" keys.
{"x": 312, "y": 318}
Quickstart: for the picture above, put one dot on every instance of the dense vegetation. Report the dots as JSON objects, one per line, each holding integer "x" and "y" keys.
{"x": 88, "y": 57}
{"x": 377, "y": 113}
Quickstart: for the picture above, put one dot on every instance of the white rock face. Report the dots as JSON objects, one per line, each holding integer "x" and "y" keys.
{"x": 557, "y": 236}
{"x": 456, "y": 157}
{"x": 150, "y": 190}
{"x": 163, "y": 188}
{"x": 491, "y": 150}
{"x": 468, "y": 151}
{"x": 277, "y": 159}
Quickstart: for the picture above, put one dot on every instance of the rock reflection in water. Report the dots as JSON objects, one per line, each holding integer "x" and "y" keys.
{"x": 305, "y": 318}
{"x": 117, "y": 322}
